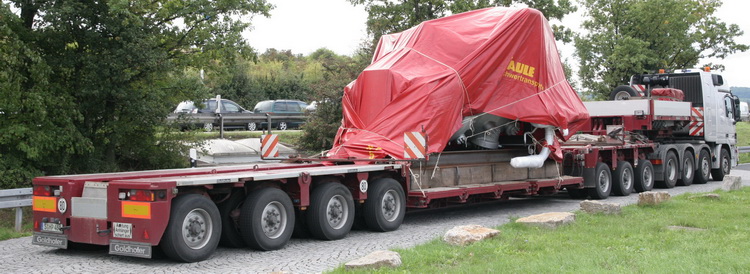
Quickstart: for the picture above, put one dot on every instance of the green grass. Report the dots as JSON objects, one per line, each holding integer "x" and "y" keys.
{"x": 637, "y": 241}
{"x": 7, "y": 223}
{"x": 743, "y": 139}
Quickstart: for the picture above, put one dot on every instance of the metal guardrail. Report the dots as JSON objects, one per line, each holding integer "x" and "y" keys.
{"x": 744, "y": 149}
{"x": 18, "y": 198}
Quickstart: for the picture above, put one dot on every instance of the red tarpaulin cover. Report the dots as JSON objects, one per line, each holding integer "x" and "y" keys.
{"x": 501, "y": 61}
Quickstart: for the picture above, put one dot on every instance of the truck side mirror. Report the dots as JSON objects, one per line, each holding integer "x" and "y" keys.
{"x": 737, "y": 112}
{"x": 717, "y": 79}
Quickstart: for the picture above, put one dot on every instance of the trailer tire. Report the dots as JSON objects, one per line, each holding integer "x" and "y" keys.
{"x": 688, "y": 169}
{"x": 725, "y": 166}
{"x": 622, "y": 181}
{"x": 671, "y": 171}
{"x": 230, "y": 211}
{"x": 385, "y": 205}
{"x": 623, "y": 92}
{"x": 193, "y": 230}
{"x": 267, "y": 219}
{"x": 644, "y": 176}
{"x": 331, "y": 212}
{"x": 603, "y": 184}
{"x": 703, "y": 173}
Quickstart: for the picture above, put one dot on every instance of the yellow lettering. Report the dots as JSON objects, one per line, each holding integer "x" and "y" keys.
{"x": 531, "y": 72}
{"x": 511, "y": 65}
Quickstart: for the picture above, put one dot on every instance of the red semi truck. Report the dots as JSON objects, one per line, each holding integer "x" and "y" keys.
{"x": 530, "y": 136}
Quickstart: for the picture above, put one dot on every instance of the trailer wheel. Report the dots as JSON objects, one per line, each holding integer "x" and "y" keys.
{"x": 603, "y": 177}
{"x": 230, "y": 220}
{"x": 688, "y": 169}
{"x": 622, "y": 93}
{"x": 385, "y": 205}
{"x": 671, "y": 171}
{"x": 193, "y": 230}
{"x": 252, "y": 126}
{"x": 724, "y": 166}
{"x": 331, "y": 212}
{"x": 622, "y": 182}
{"x": 267, "y": 219}
{"x": 704, "y": 168}
{"x": 644, "y": 176}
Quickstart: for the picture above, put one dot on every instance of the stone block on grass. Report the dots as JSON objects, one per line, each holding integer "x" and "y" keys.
{"x": 376, "y": 259}
{"x": 549, "y": 219}
{"x": 593, "y": 207}
{"x": 467, "y": 234}
{"x": 731, "y": 183}
{"x": 653, "y": 197}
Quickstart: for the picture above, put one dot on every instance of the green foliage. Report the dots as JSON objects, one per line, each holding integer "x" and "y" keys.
{"x": 87, "y": 85}
{"x": 635, "y": 36}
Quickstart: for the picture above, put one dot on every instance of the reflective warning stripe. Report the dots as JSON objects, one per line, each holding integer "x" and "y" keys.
{"x": 269, "y": 145}
{"x": 640, "y": 89}
{"x": 696, "y": 122}
{"x": 414, "y": 145}
{"x": 139, "y": 210}
{"x": 46, "y": 204}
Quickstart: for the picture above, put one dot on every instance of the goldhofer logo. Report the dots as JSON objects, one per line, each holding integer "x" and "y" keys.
{"x": 49, "y": 240}
{"x": 136, "y": 250}
{"x": 142, "y": 250}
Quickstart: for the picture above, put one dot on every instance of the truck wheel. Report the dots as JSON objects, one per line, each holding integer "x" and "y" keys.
{"x": 208, "y": 127}
{"x": 331, "y": 212}
{"x": 671, "y": 171}
{"x": 644, "y": 176}
{"x": 267, "y": 219}
{"x": 622, "y": 182}
{"x": 688, "y": 169}
{"x": 252, "y": 126}
{"x": 724, "y": 166}
{"x": 704, "y": 168}
{"x": 230, "y": 220}
{"x": 193, "y": 230}
{"x": 385, "y": 205}
{"x": 603, "y": 180}
{"x": 622, "y": 93}
{"x": 282, "y": 126}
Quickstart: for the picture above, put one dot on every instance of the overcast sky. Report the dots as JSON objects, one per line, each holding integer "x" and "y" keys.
{"x": 304, "y": 26}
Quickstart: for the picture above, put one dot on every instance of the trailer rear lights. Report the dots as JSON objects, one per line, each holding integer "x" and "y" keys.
{"x": 656, "y": 161}
{"x": 45, "y": 204}
{"x": 138, "y": 210}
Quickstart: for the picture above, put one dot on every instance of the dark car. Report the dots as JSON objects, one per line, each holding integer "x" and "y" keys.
{"x": 285, "y": 114}
{"x": 204, "y": 115}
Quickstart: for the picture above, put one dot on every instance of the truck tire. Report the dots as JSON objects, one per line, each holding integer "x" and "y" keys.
{"x": 622, "y": 93}
{"x": 688, "y": 169}
{"x": 644, "y": 176}
{"x": 252, "y": 126}
{"x": 331, "y": 212}
{"x": 622, "y": 181}
{"x": 703, "y": 173}
{"x": 725, "y": 166}
{"x": 229, "y": 211}
{"x": 193, "y": 230}
{"x": 385, "y": 205}
{"x": 603, "y": 177}
{"x": 671, "y": 171}
{"x": 267, "y": 219}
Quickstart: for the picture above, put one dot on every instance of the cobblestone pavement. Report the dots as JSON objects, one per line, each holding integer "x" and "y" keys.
{"x": 302, "y": 255}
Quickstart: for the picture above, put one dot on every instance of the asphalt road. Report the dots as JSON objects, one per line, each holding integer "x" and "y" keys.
{"x": 306, "y": 255}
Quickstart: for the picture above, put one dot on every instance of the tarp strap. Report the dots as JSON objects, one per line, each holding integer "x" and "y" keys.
{"x": 522, "y": 99}
{"x": 460, "y": 80}
{"x": 418, "y": 178}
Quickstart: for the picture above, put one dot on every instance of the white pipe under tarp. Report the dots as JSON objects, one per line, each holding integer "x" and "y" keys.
{"x": 536, "y": 161}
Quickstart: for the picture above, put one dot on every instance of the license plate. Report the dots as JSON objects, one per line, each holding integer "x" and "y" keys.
{"x": 123, "y": 230}
{"x": 52, "y": 227}
{"x": 132, "y": 249}
{"x": 52, "y": 240}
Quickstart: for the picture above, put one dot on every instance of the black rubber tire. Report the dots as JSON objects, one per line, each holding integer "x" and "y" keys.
{"x": 622, "y": 179}
{"x": 385, "y": 205}
{"x": 703, "y": 173}
{"x": 688, "y": 169}
{"x": 622, "y": 89}
{"x": 332, "y": 200}
{"x": 577, "y": 193}
{"x": 671, "y": 170}
{"x": 644, "y": 176}
{"x": 725, "y": 166}
{"x": 603, "y": 181}
{"x": 279, "y": 211}
{"x": 199, "y": 211}
{"x": 230, "y": 220}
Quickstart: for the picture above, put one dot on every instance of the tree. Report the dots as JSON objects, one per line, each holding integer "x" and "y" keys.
{"x": 93, "y": 81}
{"x": 387, "y": 16}
{"x": 626, "y": 37}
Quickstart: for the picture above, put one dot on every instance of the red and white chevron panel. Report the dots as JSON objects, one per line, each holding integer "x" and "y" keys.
{"x": 269, "y": 145}
{"x": 414, "y": 145}
{"x": 696, "y": 122}
{"x": 641, "y": 89}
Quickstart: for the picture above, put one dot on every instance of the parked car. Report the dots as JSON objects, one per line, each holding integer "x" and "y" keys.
{"x": 210, "y": 106}
{"x": 285, "y": 114}
{"x": 204, "y": 115}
